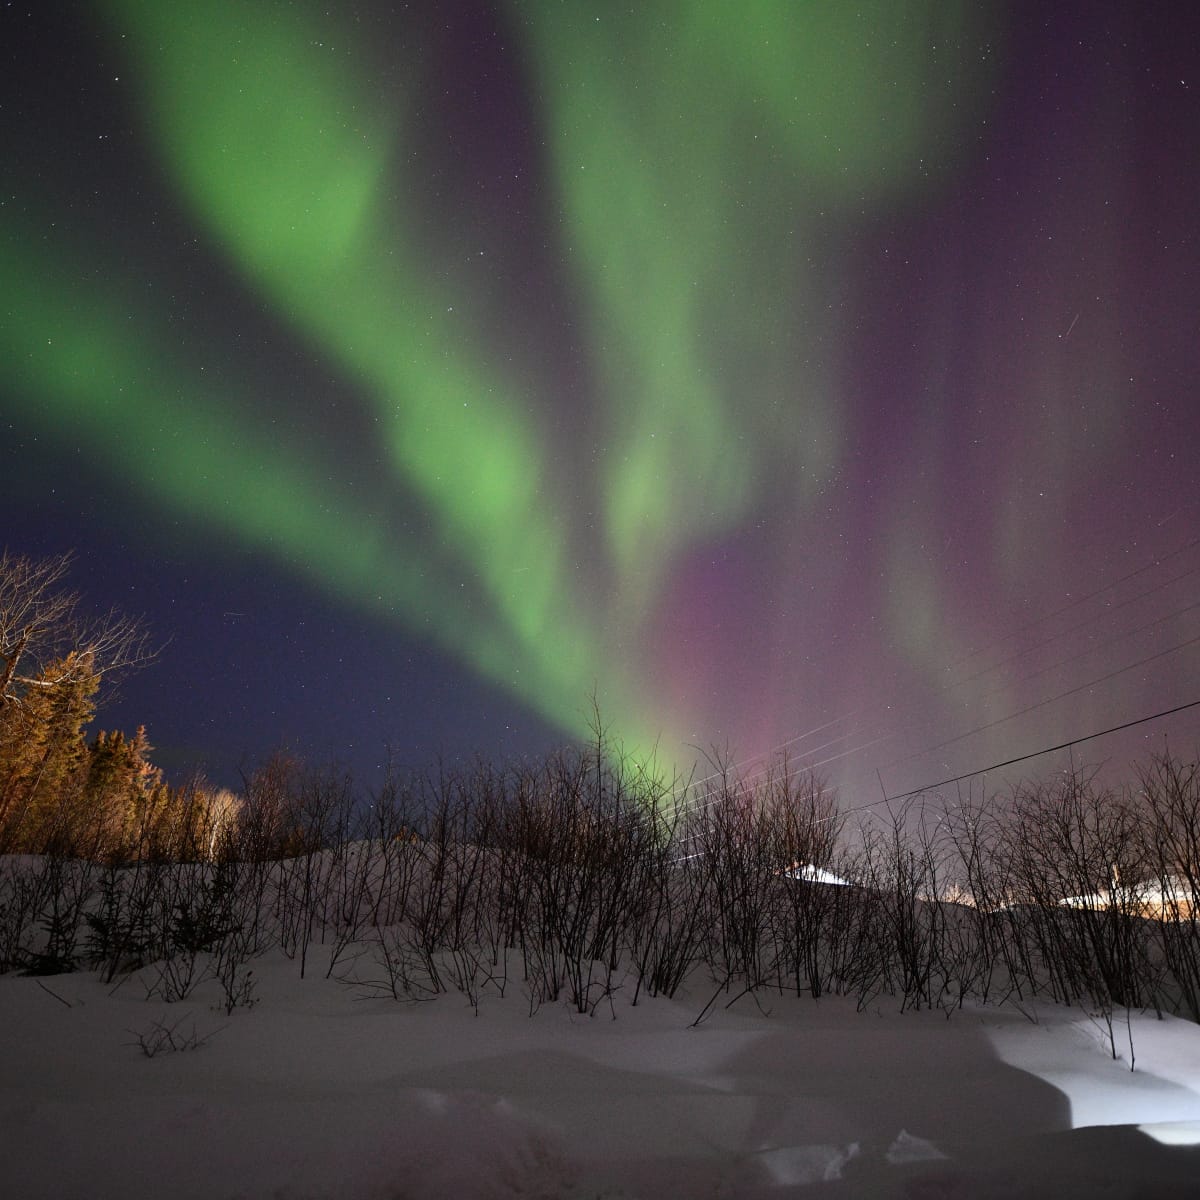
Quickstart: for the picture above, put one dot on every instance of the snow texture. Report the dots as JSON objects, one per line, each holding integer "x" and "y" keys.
{"x": 317, "y": 1093}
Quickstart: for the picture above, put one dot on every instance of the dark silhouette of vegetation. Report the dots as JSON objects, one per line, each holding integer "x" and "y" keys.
{"x": 583, "y": 879}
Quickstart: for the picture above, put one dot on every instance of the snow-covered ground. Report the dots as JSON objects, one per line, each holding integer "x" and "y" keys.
{"x": 317, "y": 1092}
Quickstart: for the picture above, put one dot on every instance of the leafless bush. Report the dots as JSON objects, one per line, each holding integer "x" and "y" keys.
{"x": 351, "y": 899}
{"x": 668, "y": 930}
{"x": 903, "y": 867}
{"x": 205, "y": 928}
{"x": 395, "y": 970}
{"x": 1170, "y": 848}
{"x": 591, "y": 880}
{"x": 60, "y": 893}
{"x": 586, "y": 827}
{"x": 805, "y": 829}
{"x": 25, "y": 886}
{"x": 121, "y": 923}
{"x": 1078, "y": 859}
{"x": 995, "y": 958}
{"x": 733, "y": 839}
{"x": 320, "y": 822}
{"x": 163, "y": 1038}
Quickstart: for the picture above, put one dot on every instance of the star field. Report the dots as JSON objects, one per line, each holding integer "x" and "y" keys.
{"x": 783, "y": 376}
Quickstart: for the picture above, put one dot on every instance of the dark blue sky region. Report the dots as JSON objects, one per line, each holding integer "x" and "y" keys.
{"x": 783, "y": 379}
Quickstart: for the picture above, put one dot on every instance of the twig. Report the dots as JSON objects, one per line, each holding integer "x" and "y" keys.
{"x": 49, "y": 992}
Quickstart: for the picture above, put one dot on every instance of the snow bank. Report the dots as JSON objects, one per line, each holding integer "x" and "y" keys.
{"x": 315, "y": 1094}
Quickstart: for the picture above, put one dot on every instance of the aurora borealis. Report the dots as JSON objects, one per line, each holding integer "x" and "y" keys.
{"x": 761, "y": 367}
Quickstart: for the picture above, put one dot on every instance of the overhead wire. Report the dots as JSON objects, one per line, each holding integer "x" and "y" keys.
{"x": 1020, "y": 758}
{"x": 1127, "y": 633}
{"x": 1066, "y": 633}
{"x": 1100, "y": 616}
{"x": 1156, "y": 562}
{"x": 1052, "y": 699}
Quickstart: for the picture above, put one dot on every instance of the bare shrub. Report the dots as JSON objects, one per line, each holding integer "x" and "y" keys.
{"x": 591, "y": 879}
{"x": 732, "y": 838}
{"x": 1170, "y": 849}
{"x": 121, "y": 924}
{"x": 804, "y": 831}
{"x": 59, "y": 893}
{"x": 1078, "y": 855}
{"x": 668, "y": 930}
{"x": 161, "y": 1037}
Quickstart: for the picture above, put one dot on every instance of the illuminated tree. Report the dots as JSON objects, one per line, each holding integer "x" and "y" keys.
{"x": 43, "y": 753}
{"x": 52, "y": 661}
{"x": 125, "y": 790}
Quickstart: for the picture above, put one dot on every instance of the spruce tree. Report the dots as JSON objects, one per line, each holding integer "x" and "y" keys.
{"x": 126, "y": 793}
{"x": 43, "y": 755}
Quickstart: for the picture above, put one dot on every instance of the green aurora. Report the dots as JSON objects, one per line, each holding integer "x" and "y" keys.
{"x": 700, "y": 169}
{"x": 688, "y": 146}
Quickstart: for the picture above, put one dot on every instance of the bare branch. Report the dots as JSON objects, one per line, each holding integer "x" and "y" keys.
{"x": 45, "y": 641}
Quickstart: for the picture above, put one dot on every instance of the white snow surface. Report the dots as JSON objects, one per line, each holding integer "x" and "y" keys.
{"x": 317, "y": 1093}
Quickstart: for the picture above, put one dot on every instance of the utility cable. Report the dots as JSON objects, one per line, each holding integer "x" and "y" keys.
{"x": 1008, "y": 762}
{"x": 770, "y": 753}
{"x": 1052, "y": 699}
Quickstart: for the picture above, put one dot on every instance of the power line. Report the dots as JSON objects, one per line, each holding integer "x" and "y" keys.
{"x": 1156, "y": 562}
{"x": 963, "y": 660}
{"x": 699, "y": 805}
{"x": 951, "y": 687}
{"x": 1052, "y": 699}
{"x": 771, "y": 752}
{"x": 1008, "y": 762}
{"x": 1062, "y": 662}
{"x": 1100, "y": 616}
{"x": 1082, "y": 600}
{"x": 1127, "y": 633}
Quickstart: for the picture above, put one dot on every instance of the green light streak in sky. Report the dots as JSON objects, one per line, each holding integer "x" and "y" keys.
{"x": 700, "y": 153}
{"x": 695, "y": 177}
{"x": 286, "y": 161}
{"x": 98, "y": 368}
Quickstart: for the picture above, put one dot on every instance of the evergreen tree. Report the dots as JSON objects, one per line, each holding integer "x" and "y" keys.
{"x": 52, "y": 660}
{"x": 125, "y": 792}
{"x": 43, "y": 754}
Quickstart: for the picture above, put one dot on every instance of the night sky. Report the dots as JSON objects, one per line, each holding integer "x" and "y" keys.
{"x": 777, "y": 372}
